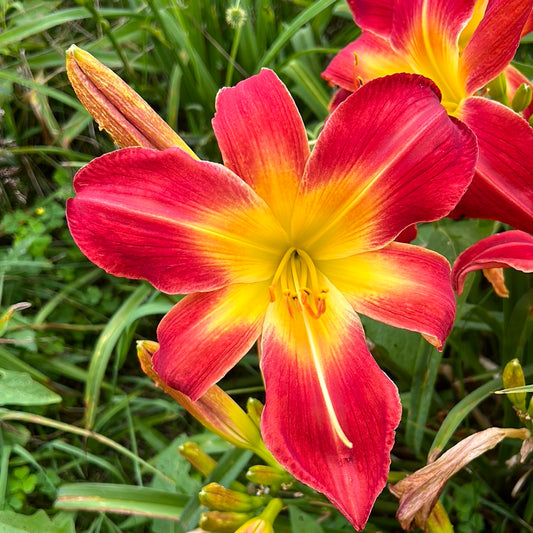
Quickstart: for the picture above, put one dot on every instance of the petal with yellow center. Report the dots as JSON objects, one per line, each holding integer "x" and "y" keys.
{"x": 330, "y": 412}
{"x": 368, "y": 57}
{"x": 182, "y": 224}
{"x": 427, "y": 33}
{"x": 502, "y": 188}
{"x": 262, "y": 138}
{"x": 387, "y": 158}
{"x": 402, "y": 285}
{"x": 494, "y": 42}
{"x": 510, "y": 249}
{"x": 206, "y": 334}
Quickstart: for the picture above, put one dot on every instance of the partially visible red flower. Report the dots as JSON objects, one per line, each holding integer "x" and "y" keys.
{"x": 510, "y": 249}
{"x": 461, "y": 46}
{"x": 288, "y": 246}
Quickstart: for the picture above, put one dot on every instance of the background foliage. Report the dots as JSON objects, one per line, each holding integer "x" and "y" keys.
{"x": 81, "y": 427}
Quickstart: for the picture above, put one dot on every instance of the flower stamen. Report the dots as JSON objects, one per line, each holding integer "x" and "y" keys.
{"x": 299, "y": 282}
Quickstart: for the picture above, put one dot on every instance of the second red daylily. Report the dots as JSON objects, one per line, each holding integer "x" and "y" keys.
{"x": 510, "y": 249}
{"x": 461, "y": 46}
{"x": 286, "y": 246}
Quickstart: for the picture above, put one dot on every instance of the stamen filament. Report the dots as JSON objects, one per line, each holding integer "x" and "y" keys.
{"x": 323, "y": 387}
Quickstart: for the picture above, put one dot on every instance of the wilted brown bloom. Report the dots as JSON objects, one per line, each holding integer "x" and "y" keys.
{"x": 419, "y": 492}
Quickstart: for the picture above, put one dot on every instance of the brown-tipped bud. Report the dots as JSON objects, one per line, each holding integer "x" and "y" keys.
{"x": 223, "y": 522}
{"x": 220, "y": 498}
{"x": 116, "y": 107}
{"x": 521, "y": 98}
{"x": 200, "y": 460}
{"x": 513, "y": 376}
{"x": 269, "y": 476}
{"x": 254, "y": 408}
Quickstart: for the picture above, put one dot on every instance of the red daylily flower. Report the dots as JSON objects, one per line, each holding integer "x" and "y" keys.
{"x": 286, "y": 246}
{"x": 461, "y": 46}
{"x": 510, "y": 249}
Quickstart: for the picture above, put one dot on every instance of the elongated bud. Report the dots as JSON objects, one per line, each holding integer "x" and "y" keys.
{"x": 264, "y": 523}
{"x": 254, "y": 408}
{"x": 215, "y": 409}
{"x": 116, "y": 107}
{"x": 513, "y": 376}
{"x": 269, "y": 476}
{"x": 223, "y": 522}
{"x": 521, "y": 98}
{"x": 220, "y": 498}
{"x": 200, "y": 460}
{"x": 6, "y": 317}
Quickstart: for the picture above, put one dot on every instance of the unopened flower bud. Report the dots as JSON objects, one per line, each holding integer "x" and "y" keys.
{"x": 269, "y": 476}
{"x": 521, "y": 98}
{"x": 116, "y": 107}
{"x": 215, "y": 409}
{"x": 513, "y": 376}
{"x": 220, "y": 498}
{"x": 264, "y": 523}
{"x": 223, "y": 522}
{"x": 254, "y": 408}
{"x": 200, "y": 460}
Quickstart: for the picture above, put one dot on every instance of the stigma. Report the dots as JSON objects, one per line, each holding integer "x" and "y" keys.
{"x": 298, "y": 280}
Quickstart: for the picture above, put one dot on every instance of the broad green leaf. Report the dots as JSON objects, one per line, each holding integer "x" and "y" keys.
{"x": 18, "y": 388}
{"x": 11, "y": 522}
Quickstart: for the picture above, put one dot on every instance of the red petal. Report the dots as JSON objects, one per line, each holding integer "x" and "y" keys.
{"x": 373, "y": 15}
{"x": 512, "y": 249}
{"x": 182, "y": 224}
{"x": 388, "y": 157}
{"x": 402, "y": 285}
{"x": 494, "y": 42}
{"x": 206, "y": 334}
{"x": 324, "y": 390}
{"x": 262, "y": 138}
{"x": 502, "y": 188}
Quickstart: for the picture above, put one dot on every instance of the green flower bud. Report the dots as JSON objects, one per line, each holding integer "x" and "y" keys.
{"x": 222, "y": 522}
{"x": 264, "y": 522}
{"x": 200, "y": 460}
{"x": 220, "y": 498}
{"x": 268, "y": 475}
{"x": 521, "y": 98}
{"x": 513, "y": 376}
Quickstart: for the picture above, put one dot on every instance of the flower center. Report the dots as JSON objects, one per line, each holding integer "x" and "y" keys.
{"x": 297, "y": 277}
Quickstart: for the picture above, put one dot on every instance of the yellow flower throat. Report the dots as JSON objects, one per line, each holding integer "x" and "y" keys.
{"x": 299, "y": 284}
